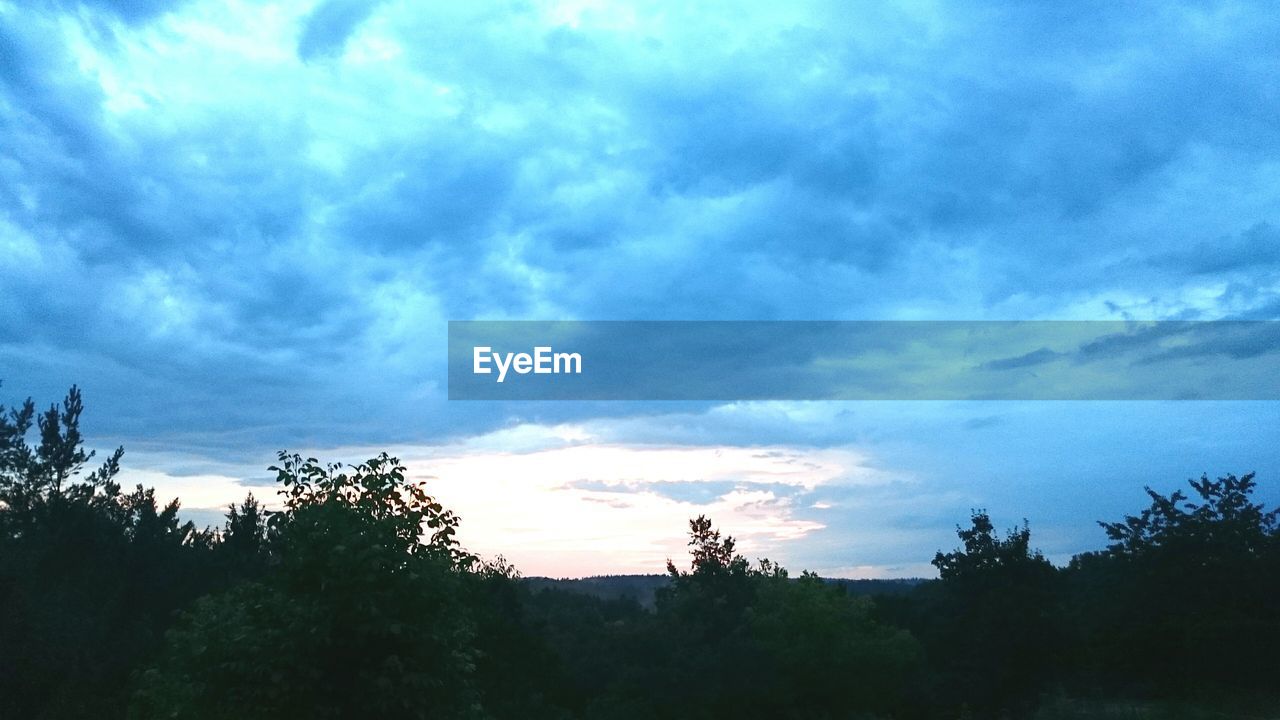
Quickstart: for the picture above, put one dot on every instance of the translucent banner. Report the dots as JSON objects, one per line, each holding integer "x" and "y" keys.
{"x": 864, "y": 360}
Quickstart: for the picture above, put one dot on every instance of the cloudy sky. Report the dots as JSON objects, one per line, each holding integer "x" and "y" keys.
{"x": 243, "y": 226}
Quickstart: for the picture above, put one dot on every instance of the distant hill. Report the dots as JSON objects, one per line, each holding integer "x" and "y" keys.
{"x": 895, "y": 586}
{"x": 643, "y": 588}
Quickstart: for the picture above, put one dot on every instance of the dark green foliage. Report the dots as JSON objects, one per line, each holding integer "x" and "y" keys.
{"x": 1184, "y": 599}
{"x": 363, "y": 614}
{"x": 242, "y": 549}
{"x": 642, "y": 589}
{"x": 89, "y": 574}
{"x": 603, "y": 648}
{"x": 517, "y": 674}
{"x": 827, "y": 657}
{"x": 748, "y": 642}
{"x": 355, "y": 600}
{"x": 1224, "y": 524}
{"x": 993, "y": 626}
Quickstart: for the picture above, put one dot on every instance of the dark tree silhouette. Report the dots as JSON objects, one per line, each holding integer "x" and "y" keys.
{"x": 993, "y": 627}
{"x": 355, "y": 599}
{"x": 89, "y": 575}
{"x": 363, "y": 615}
{"x": 1183, "y": 600}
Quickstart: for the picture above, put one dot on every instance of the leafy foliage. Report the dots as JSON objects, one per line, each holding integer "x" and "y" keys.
{"x": 1184, "y": 597}
{"x": 992, "y": 624}
{"x": 750, "y": 642}
{"x": 88, "y": 574}
{"x": 362, "y": 614}
{"x": 1222, "y": 524}
{"x": 355, "y": 599}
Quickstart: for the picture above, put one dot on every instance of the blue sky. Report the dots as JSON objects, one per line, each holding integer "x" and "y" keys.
{"x": 243, "y": 226}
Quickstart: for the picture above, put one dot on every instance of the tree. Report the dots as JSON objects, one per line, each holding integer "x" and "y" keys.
{"x": 89, "y": 575}
{"x": 825, "y": 655}
{"x": 1183, "y": 598}
{"x": 986, "y": 556}
{"x": 712, "y": 595}
{"x": 245, "y": 532}
{"x": 363, "y": 614}
{"x": 1223, "y": 525}
{"x": 711, "y": 554}
{"x": 32, "y": 475}
{"x": 751, "y": 642}
{"x": 995, "y": 632}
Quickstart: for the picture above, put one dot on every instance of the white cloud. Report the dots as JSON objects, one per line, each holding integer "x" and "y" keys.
{"x": 236, "y": 250}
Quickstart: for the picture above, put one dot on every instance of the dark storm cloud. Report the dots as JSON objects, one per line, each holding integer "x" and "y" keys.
{"x": 448, "y": 194}
{"x": 326, "y": 29}
{"x": 265, "y": 243}
{"x": 1031, "y": 359}
{"x": 1255, "y": 248}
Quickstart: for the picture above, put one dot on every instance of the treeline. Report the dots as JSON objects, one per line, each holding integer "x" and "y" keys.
{"x": 356, "y": 601}
{"x": 644, "y": 588}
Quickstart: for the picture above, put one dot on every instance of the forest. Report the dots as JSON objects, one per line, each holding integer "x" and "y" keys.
{"x": 355, "y": 600}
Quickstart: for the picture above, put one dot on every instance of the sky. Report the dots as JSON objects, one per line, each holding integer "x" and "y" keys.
{"x": 242, "y": 227}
